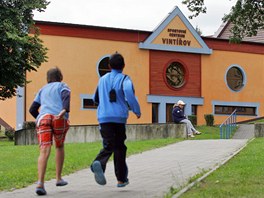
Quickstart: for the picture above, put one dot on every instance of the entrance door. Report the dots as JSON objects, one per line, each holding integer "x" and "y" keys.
{"x": 169, "y": 108}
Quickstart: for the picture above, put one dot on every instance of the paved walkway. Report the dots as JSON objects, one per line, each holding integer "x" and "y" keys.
{"x": 245, "y": 131}
{"x": 151, "y": 173}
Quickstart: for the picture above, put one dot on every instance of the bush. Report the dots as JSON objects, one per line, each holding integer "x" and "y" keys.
{"x": 209, "y": 118}
{"x": 29, "y": 125}
{"x": 193, "y": 119}
{"x": 10, "y": 133}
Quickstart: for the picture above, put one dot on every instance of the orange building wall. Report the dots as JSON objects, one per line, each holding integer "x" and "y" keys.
{"x": 8, "y": 111}
{"x": 214, "y": 88}
{"x": 78, "y": 59}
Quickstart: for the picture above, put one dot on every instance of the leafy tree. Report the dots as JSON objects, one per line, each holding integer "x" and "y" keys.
{"x": 21, "y": 50}
{"x": 198, "y": 30}
{"x": 247, "y": 16}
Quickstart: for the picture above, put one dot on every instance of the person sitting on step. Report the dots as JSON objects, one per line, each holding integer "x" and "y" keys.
{"x": 178, "y": 116}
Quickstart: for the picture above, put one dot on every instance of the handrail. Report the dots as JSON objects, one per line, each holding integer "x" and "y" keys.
{"x": 227, "y": 127}
{"x": 5, "y": 124}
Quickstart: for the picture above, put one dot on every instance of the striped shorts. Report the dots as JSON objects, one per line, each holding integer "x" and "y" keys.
{"x": 50, "y": 127}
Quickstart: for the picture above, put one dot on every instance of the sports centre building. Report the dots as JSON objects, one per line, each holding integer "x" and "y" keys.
{"x": 171, "y": 63}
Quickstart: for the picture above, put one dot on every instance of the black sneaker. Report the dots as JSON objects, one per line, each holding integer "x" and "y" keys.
{"x": 41, "y": 191}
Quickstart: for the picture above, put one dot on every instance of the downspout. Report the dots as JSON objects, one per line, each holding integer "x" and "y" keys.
{"x": 20, "y": 108}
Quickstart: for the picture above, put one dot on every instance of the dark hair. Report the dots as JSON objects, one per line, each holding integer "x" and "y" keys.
{"x": 116, "y": 61}
{"x": 54, "y": 75}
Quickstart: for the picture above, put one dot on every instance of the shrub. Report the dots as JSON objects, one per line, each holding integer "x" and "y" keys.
{"x": 209, "y": 118}
{"x": 10, "y": 133}
{"x": 29, "y": 125}
{"x": 193, "y": 119}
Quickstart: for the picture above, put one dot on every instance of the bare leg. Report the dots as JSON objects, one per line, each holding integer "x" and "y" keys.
{"x": 42, "y": 163}
{"x": 59, "y": 161}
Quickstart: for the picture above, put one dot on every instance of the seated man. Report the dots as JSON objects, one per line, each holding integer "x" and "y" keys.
{"x": 179, "y": 117}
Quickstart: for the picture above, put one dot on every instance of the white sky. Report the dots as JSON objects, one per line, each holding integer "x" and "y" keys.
{"x": 132, "y": 14}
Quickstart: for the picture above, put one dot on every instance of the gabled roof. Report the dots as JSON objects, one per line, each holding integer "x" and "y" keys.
{"x": 177, "y": 34}
{"x": 224, "y": 33}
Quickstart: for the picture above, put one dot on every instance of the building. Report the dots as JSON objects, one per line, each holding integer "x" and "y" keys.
{"x": 224, "y": 33}
{"x": 170, "y": 63}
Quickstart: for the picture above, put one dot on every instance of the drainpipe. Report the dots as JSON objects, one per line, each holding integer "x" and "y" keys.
{"x": 20, "y": 107}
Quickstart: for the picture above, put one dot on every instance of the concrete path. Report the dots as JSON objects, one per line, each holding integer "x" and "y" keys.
{"x": 151, "y": 173}
{"x": 245, "y": 131}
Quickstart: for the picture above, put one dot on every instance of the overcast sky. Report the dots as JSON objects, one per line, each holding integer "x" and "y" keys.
{"x": 132, "y": 14}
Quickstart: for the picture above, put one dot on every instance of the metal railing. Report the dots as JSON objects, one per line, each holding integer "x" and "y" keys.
{"x": 228, "y": 126}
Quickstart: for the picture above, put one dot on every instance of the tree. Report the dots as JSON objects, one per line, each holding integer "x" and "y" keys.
{"x": 21, "y": 49}
{"x": 247, "y": 16}
{"x": 198, "y": 30}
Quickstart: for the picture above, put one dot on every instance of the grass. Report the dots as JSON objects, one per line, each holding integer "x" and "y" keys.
{"x": 173, "y": 191}
{"x": 242, "y": 176}
{"x": 18, "y": 167}
{"x": 256, "y": 121}
{"x": 208, "y": 132}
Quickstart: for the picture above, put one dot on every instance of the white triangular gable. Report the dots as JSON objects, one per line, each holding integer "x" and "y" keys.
{"x": 176, "y": 33}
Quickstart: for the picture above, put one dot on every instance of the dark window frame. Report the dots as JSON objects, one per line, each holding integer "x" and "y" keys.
{"x": 155, "y": 112}
{"x": 88, "y": 103}
{"x": 103, "y": 67}
{"x": 241, "y": 110}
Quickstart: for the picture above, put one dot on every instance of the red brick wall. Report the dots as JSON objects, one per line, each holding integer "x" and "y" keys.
{"x": 159, "y": 60}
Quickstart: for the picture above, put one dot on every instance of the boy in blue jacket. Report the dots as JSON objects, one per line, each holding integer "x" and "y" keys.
{"x": 114, "y": 93}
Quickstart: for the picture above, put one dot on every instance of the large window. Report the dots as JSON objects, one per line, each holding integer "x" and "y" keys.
{"x": 103, "y": 67}
{"x": 227, "y": 110}
{"x": 235, "y": 78}
{"x": 175, "y": 75}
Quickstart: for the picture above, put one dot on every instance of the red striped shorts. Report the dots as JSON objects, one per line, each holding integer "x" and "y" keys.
{"x": 50, "y": 127}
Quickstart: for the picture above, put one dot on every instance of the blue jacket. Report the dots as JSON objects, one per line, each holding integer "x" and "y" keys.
{"x": 178, "y": 114}
{"x": 116, "y": 112}
{"x": 51, "y": 99}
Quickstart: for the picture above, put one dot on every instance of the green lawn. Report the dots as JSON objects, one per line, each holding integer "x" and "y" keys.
{"x": 242, "y": 176}
{"x": 208, "y": 132}
{"x": 18, "y": 166}
{"x": 256, "y": 121}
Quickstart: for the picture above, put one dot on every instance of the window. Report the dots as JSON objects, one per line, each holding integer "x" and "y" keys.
{"x": 194, "y": 109}
{"x": 219, "y": 109}
{"x": 235, "y": 78}
{"x": 169, "y": 108}
{"x": 103, "y": 67}
{"x": 155, "y": 112}
{"x": 175, "y": 75}
{"x": 89, "y": 104}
